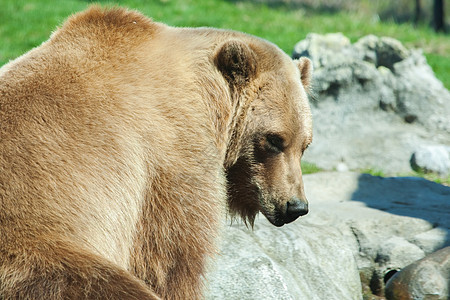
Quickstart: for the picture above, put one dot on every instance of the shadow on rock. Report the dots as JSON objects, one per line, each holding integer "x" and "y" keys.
{"x": 407, "y": 196}
{"x": 405, "y": 241}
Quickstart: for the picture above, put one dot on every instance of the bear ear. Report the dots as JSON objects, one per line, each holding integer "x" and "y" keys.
{"x": 305, "y": 66}
{"x": 237, "y": 63}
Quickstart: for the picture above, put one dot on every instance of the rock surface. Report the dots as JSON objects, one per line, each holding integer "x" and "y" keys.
{"x": 358, "y": 225}
{"x": 431, "y": 159}
{"x": 284, "y": 264}
{"x": 375, "y": 102}
{"x": 428, "y": 278}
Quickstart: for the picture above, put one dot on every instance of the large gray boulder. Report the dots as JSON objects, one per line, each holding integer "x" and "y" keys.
{"x": 359, "y": 226}
{"x": 374, "y": 104}
{"x": 295, "y": 262}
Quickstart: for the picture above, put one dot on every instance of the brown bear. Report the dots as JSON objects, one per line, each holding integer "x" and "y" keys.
{"x": 122, "y": 142}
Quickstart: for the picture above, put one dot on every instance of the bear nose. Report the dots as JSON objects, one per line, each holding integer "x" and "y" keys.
{"x": 295, "y": 208}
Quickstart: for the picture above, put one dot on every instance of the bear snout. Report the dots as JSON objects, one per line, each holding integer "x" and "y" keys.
{"x": 287, "y": 213}
{"x": 295, "y": 208}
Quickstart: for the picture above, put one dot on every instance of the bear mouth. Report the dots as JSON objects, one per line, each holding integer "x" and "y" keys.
{"x": 273, "y": 214}
{"x": 274, "y": 218}
{"x": 281, "y": 217}
{"x": 277, "y": 222}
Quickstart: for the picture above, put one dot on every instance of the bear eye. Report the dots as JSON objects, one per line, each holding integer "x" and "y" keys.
{"x": 275, "y": 143}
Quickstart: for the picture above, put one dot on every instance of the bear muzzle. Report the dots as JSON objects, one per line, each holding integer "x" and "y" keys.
{"x": 288, "y": 213}
{"x": 295, "y": 208}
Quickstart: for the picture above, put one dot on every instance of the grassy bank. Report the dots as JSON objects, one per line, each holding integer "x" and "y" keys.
{"x": 25, "y": 24}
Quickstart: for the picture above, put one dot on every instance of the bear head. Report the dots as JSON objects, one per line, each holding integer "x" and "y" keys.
{"x": 271, "y": 128}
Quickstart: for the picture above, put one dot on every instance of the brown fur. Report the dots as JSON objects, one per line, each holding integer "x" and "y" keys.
{"x": 120, "y": 141}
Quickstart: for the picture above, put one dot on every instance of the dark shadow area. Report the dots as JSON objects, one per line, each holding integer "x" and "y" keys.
{"x": 407, "y": 196}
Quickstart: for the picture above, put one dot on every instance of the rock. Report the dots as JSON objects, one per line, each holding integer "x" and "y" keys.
{"x": 430, "y": 241}
{"x": 394, "y": 221}
{"x": 374, "y": 101}
{"x": 342, "y": 167}
{"x": 392, "y": 255}
{"x": 428, "y": 278}
{"x": 359, "y": 226}
{"x": 397, "y": 252}
{"x": 322, "y": 49}
{"x": 293, "y": 262}
{"x": 245, "y": 271}
{"x": 432, "y": 159}
{"x": 421, "y": 96}
{"x": 381, "y": 52}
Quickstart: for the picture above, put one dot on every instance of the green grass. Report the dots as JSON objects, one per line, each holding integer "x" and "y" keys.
{"x": 434, "y": 177}
{"x": 373, "y": 172}
{"x": 25, "y": 24}
{"x": 309, "y": 168}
